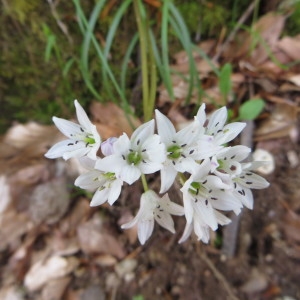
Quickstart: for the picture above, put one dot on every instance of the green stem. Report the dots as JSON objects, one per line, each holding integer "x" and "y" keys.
{"x": 149, "y": 73}
{"x": 144, "y": 182}
{"x": 143, "y": 46}
{"x": 182, "y": 178}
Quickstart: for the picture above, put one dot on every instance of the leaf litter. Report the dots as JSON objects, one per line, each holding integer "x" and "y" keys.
{"x": 54, "y": 246}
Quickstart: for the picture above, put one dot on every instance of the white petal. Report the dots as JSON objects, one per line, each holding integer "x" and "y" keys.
{"x": 217, "y": 120}
{"x": 214, "y": 182}
{"x": 188, "y": 134}
{"x": 167, "y": 176}
{"x": 99, "y": 197}
{"x": 129, "y": 173}
{"x": 187, "y": 232}
{"x": 205, "y": 212}
{"x": 202, "y": 231}
{"x": 165, "y": 220}
{"x": 165, "y": 128}
{"x": 122, "y": 145}
{"x": 115, "y": 191}
{"x": 145, "y": 229}
{"x": 202, "y": 170}
{"x": 82, "y": 116}
{"x": 149, "y": 167}
{"x": 244, "y": 195}
{"x": 188, "y": 207}
{"x": 68, "y": 128}
{"x": 75, "y": 153}
{"x": 225, "y": 201}
{"x": 237, "y": 153}
{"x": 155, "y": 150}
{"x": 253, "y": 181}
{"x": 171, "y": 207}
{"x": 201, "y": 115}
{"x": 186, "y": 165}
{"x": 229, "y": 132}
{"x": 89, "y": 180}
{"x": 67, "y": 149}
{"x": 142, "y": 133}
{"x": 112, "y": 163}
{"x": 222, "y": 220}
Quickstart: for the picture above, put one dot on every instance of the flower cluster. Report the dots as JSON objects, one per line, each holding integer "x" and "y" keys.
{"x": 215, "y": 177}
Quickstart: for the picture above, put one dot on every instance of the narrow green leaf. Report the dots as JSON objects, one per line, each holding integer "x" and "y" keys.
{"x": 251, "y": 109}
{"x": 225, "y": 80}
{"x": 67, "y": 67}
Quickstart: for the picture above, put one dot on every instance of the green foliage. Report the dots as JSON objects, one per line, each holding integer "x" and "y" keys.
{"x": 251, "y": 109}
{"x": 138, "y": 297}
{"x": 213, "y": 17}
{"x": 293, "y": 22}
{"x": 225, "y": 81}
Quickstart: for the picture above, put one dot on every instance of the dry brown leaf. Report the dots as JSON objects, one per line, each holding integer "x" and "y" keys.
{"x": 205, "y": 46}
{"x": 5, "y": 194}
{"x": 13, "y": 226}
{"x": 291, "y": 227}
{"x": 94, "y": 240}
{"x": 54, "y": 289}
{"x": 105, "y": 260}
{"x": 78, "y": 213}
{"x": 294, "y": 78}
{"x": 11, "y": 293}
{"x": 280, "y": 123}
{"x": 291, "y": 46}
{"x": 53, "y": 268}
{"x": 269, "y": 28}
{"x": 111, "y": 120}
{"x": 288, "y": 87}
{"x": 49, "y": 201}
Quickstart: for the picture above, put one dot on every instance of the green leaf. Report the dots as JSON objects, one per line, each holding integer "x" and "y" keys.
{"x": 251, "y": 109}
{"x": 225, "y": 80}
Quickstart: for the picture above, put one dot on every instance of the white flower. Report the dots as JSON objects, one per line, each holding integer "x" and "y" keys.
{"x": 184, "y": 148}
{"x": 152, "y": 207}
{"x": 107, "y": 186}
{"x": 201, "y": 229}
{"x": 83, "y": 138}
{"x": 228, "y": 160}
{"x": 203, "y": 195}
{"x": 247, "y": 180}
{"x": 142, "y": 154}
{"x": 215, "y": 125}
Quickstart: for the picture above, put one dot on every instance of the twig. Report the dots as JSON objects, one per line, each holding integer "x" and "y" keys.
{"x": 60, "y": 24}
{"x": 219, "y": 276}
{"x": 230, "y": 232}
{"x": 238, "y": 25}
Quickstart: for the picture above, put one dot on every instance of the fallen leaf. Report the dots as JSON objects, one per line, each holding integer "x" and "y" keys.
{"x": 111, "y": 120}
{"x": 53, "y": 268}
{"x": 291, "y": 46}
{"x": 55, "y": 288}
{"x": 94, "y": 240}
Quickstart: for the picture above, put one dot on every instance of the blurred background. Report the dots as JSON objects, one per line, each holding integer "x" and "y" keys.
{"x": 122, "y": 59}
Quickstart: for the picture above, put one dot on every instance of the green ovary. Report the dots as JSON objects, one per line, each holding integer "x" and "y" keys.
{"x": 194, "y": 188}
{"x": 221, "y": 164}
{"x": 109, "y": 176}
{"x": 134, "y": 158}
{"x": 89, "y": 140}
{"x": 174, "y": 152}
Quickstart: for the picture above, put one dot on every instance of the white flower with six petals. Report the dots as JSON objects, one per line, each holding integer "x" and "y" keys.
{"x": 83, "y": 138}
{"x": 152, "y": 207}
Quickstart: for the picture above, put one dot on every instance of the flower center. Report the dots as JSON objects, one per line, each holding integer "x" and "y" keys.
{"x": 174, "y": 151}
{"x": 109, "y": 175}
{"x": 134, "y": 158}
{"x": 194, "y": 188}
{"x": 89, "y": 140}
